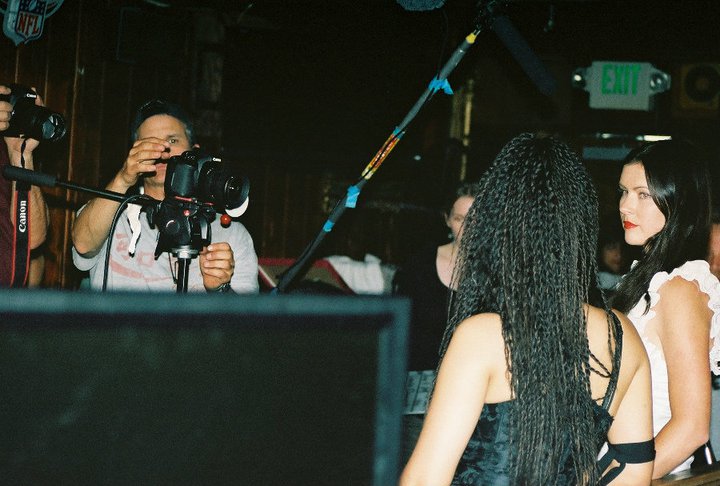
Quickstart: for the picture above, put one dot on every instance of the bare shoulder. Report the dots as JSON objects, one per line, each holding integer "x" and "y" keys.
{"x": 681, "y": 292}
{"x": 479, "y": 345}
{"x": 481, "y": 325}
{"x": 481, "y": 331}
{"x": 682, "y": 312}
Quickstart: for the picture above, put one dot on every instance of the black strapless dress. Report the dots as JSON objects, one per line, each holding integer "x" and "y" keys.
{"x": 486, "y": 460}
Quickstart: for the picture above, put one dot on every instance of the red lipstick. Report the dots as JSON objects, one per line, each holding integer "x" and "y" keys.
{"x": 628, "y": 225}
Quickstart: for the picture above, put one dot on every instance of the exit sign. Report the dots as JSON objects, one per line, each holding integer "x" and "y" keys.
{"x": 616, "y": 85}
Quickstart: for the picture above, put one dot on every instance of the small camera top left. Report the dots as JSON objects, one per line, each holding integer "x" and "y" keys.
{"x": 28, "y": 120}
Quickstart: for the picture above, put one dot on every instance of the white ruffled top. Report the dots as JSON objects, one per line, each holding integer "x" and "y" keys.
{"x": 699, "y": 272}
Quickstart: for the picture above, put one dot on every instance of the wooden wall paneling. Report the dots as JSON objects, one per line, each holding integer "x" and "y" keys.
{"x": 266, "y": 215}
{"x": 116, "y": 111}
{"x": 8, "y": 60}
{"x": 89, "y": 101}
{"x": 265, "y": 207}
{"x": 274, "y": 216}
{"x": 61, "y": 34}
{"x": 88, "y": 98}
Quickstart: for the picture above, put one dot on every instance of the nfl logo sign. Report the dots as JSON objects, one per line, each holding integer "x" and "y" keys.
{"x": 24, "y": 20}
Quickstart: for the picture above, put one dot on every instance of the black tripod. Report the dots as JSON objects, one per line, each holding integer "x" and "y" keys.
{"x": 184, "y": 226}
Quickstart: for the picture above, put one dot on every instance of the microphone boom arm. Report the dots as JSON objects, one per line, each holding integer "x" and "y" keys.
{"x": 350, "y": 198}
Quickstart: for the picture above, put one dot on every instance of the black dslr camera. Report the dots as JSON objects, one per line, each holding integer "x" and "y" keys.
{"x": 204, "y": 178}
{"x": 196, "y": 187}
{"x": 29, "y": 120}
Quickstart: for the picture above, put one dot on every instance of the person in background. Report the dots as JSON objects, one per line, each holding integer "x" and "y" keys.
{"x": 611, "y": 259}
{"x": 669, "y": 294}
{"x": 13, "y": 152}
{"x": 425, "y": 279}
{"x": 533, "y": 378}
{"x": 159, "y": 131}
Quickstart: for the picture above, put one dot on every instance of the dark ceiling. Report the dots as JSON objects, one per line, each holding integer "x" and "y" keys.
{"x": 335, "y": 76}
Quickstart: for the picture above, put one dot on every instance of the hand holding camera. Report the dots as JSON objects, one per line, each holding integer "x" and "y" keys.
{"x": 22, "y": 114}
{"x": 24, "y": 122}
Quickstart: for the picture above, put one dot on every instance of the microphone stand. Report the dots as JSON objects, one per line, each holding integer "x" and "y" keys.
{"x": 439, "y": 82}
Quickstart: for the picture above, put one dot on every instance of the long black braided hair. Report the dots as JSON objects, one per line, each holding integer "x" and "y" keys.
{"x": 528, "y": 254}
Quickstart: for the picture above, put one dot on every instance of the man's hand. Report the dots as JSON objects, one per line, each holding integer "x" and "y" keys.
{"x": 217, "y": 265}
{"x": 142, "y": 157}
{"x": 5, "y": 109}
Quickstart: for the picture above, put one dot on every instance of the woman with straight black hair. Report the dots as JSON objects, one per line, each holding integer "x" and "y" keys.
{"x": 669, "y": 294}
{"x": 533, "y": 379}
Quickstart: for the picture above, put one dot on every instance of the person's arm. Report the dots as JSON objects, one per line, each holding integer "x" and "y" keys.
{"x": 36, "y": 271}
{"x": 38, "y": 208}
{"x": 92, "y": 225}
{"x": 457, "y": 401}
{"x": 632, "y": 420}
{"x": 683, "y": 327}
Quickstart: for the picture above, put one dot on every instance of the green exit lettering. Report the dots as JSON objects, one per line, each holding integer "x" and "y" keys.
{"x": 620, "y": 79}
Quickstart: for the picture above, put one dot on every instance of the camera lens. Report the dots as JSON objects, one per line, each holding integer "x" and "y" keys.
{"x": 234, "y": 192}
{"x": 53, "y": 127}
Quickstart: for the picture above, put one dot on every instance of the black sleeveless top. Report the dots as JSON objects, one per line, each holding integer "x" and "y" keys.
{"x": 486, "y": 460}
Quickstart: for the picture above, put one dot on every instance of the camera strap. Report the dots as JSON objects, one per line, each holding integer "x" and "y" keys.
{"x": 21, "y": 234}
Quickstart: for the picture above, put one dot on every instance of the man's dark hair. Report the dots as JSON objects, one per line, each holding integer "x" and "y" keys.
{"x": 161, "y": 107}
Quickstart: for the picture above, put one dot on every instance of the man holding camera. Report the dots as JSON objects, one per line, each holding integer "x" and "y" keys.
{"x": 23, "y": 212}
{"x": 160, "y": 131}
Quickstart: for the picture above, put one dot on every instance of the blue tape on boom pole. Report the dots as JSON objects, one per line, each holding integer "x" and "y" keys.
{"x": 352, "y": 196}
{"x": 441, "y": 84}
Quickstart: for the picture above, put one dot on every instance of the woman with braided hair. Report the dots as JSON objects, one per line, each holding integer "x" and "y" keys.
{"x": 533, "y": 379}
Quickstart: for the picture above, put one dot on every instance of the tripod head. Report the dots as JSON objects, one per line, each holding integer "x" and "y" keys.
{"x": 183, "y": 224}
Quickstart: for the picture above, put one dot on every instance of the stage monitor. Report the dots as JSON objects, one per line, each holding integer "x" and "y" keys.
{"x": 131, "y": 388}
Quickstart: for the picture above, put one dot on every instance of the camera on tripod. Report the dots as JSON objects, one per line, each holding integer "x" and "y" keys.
{"x": 197, "y": 186}
{"x": 205, "y": 178}
{"x": 29, "y": 120}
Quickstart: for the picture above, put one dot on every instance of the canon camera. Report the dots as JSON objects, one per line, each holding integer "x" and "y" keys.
{"x": 29, "y": 120}
{"x": 204, "y": 178}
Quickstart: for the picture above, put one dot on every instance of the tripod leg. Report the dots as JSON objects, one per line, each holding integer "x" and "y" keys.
{"x": 183, "y": 266}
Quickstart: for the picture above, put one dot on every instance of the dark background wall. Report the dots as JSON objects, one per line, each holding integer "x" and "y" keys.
{"x": 300, "y": 95}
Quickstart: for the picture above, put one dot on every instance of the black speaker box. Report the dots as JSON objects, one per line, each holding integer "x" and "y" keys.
{"x": 200, "y": 389}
